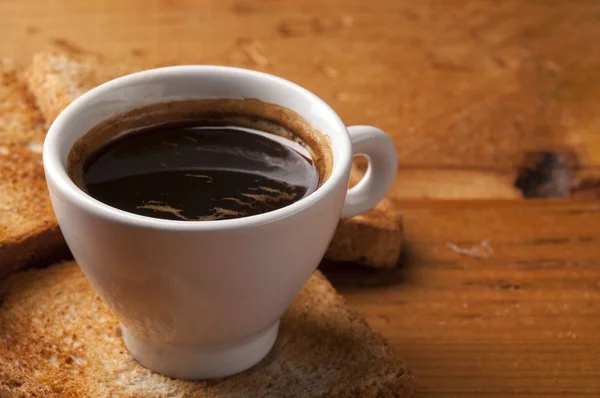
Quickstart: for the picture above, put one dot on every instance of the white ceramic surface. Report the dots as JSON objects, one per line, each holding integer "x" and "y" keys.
{"x": 203, "y": 299}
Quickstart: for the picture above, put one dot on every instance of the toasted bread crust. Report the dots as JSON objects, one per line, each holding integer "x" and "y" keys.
{"x": 59, "y": 77}
{"x": 372, "y": 239}
{"x": 58, "y": 339}
{"x": 21, "y": 122}
{"x": 29, "y": 232}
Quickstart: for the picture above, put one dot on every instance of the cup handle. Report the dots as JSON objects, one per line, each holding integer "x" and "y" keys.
{"x": 380, "y": 151}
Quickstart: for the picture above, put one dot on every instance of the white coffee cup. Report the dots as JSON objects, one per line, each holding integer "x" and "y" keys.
{"x": 203, "y": 299}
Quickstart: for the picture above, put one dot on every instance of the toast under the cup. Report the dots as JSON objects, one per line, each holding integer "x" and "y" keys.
{"x": 57, "y": 339}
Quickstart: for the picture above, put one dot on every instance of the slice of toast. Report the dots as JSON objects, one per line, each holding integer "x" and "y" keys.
{"x": 57, "y": 78}
{"x": 57, "y": 339}
{"x": 29, "y": 232}
{"x": 373, "y": 238}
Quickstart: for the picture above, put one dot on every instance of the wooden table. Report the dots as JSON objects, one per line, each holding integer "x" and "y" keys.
{"x": 494, "y": 298}
{"x": 496, "y": 295}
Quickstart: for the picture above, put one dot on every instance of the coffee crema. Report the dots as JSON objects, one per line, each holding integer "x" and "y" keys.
{"x": 201, "y": 160}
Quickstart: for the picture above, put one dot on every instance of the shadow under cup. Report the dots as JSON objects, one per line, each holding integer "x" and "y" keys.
{"x": 198, "y": 299}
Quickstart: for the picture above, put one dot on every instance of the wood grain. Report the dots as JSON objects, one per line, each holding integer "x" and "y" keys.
{"x": 495, "y": 298}
{"x": 467, "y": 86}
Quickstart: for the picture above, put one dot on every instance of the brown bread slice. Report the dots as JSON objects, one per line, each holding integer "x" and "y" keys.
{"x": 57, "y": 78}
{"x": 29, "y": 233}
{"x": 57, "y": 339}
{"x": 373, "y": 238}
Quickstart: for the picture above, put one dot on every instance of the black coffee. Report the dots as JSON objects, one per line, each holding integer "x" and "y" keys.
{"x": 195, "y": 172}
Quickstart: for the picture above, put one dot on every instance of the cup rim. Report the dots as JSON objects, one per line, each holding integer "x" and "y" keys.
{"x": 57, "y": 174}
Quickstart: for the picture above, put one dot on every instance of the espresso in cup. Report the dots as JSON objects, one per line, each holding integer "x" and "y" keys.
{"x": 201, "y": 160}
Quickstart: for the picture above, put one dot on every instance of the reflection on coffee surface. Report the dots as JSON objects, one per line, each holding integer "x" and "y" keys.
{"x": 194, "y": 172}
